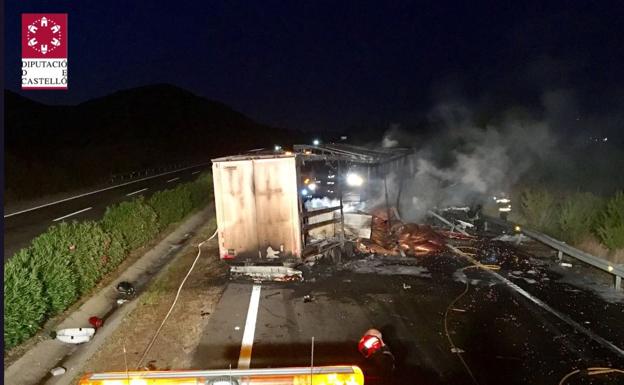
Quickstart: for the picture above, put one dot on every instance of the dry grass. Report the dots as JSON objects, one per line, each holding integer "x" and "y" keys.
{"x": 179, "y": 337}
{"x": 592, "y": 246}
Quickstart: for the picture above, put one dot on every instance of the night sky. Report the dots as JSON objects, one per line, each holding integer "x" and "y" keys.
{"x": 317, "y": 65}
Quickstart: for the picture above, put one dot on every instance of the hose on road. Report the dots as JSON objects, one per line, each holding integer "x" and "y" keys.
{"x": 454, "y": 348}
{"x": 594, "y": 371}
{"x": 149, "y": 346}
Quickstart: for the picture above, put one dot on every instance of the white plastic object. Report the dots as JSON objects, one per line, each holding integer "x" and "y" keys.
{"x": 75, "y": 335}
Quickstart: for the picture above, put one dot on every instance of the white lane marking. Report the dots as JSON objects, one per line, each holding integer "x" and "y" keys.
{"x": 195, "y": 172}
{"x": 244, "y": 359}
{"x": 173, "y": 180}
{"x": 136, "y": 192}
{"x": 99, "y": 191}
{"x": 69, "y": 215}
{"x": 605, "y": 343}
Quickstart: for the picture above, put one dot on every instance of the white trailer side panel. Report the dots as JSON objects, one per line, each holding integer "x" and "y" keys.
{"x": 235, "y": 206}
{"x": 277, "y": 206}
{"x": 257, "y": 207}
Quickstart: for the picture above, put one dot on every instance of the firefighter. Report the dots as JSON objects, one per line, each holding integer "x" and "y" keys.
{"x": 374, "y": 349}
{"x": 504, "y": 206}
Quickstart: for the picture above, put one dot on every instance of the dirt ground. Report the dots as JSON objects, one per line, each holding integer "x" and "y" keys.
{"x": 179, "y": 337}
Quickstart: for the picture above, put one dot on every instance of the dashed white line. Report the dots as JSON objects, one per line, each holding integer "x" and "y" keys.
{"x": 136, "y": 192}
{"x": 244, "y": 359}
{"x": 100, "y": 190}
{"x": 173, "y": 180}
{"x": 69, "y": 215}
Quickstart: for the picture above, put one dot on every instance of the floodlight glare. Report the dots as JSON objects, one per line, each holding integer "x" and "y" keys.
{"x": 354, "y": 179}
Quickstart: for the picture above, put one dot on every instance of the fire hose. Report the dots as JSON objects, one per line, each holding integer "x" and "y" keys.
{"x": 175, "y": 300}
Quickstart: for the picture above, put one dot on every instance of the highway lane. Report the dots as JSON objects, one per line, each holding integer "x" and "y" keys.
{"x": 503, "y": 336}
{"x": 21, "y": 228}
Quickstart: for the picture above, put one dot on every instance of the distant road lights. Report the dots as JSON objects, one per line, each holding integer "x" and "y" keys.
{"x": 316, "y": 142}
{"x": 354, "y": 179}
{"x": 304, "y": 192}
{"x": 278, "y": 148}
{"x": 312, "y": 186}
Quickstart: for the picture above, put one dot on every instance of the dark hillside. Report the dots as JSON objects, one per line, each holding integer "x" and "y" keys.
{"x": 57, "y": 148}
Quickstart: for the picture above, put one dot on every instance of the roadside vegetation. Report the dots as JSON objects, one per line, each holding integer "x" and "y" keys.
{"x": 69, "y": 259}
{"x": 574, "y": 217}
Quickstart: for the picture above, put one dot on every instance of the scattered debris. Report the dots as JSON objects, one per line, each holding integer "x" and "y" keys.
{"x": 121, "y": 301}
{"x": 267, "y": 273}
{"x": 565, "y": 264}
{"x": 454, "y": 208}
{"x": 308, "y": 298}
{"x": 516, "y": 238}
{"x": 393, "y": 238}
{"x": 151, "y": 365}
{"x": 204, "y": 313}
{"x": 406, "y": 286}
{"x": 457, "y": 350}
{"x": 126, "y": 288}
{"x": 75, "y": 335}
{"x": 96, "y": 322}
{"x": 458, "y": 310}
{"x": 272, "y": 294}
{"x": 386, "y": 266}
{"x": 58, "y": 371}
{"x": 236, "y": 327}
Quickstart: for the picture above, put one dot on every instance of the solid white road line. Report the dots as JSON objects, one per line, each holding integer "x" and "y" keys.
{"x": 99, "y": 191}
{"x": 69, "y": 215}
{"x": 136, "y": 192}
{"x": 172, "y": 180}
{"x": 244, "y": 359}
{"x": 195, "y": 172}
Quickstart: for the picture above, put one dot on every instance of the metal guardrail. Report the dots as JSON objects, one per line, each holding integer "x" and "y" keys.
{"x": 115, "y": 178}
{"x": 565, "y": 249}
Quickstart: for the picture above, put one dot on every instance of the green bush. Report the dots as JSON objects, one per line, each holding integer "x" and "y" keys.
{"x": 134, "y": 222}
{"x": 24, "y": 302}
{"x": 114, "y": 251}
{"x": 538, "y": 209}
{"x": 610, "y": 226}
{"x": 577, "y": 216}
{"x": 69, "y": 259}
{"x": 201, "y": 190}
{"x": 88, "y": 252}
{"x": 51, "y": 250}
{"x": 171, "y": 205}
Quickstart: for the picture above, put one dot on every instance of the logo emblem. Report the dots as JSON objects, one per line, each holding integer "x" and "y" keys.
{"x": 44, "y": 51}
{"x": 44, "y": 35}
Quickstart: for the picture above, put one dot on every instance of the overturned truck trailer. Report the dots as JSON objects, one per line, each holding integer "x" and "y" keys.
{"x": 279, "y": 207}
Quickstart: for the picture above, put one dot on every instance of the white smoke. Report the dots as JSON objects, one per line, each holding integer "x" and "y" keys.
{"x": 463, "y": 163}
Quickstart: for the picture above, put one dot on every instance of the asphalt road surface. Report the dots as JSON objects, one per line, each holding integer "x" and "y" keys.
{"x": 502, "y": 335}
{"x": 21, "y": 227}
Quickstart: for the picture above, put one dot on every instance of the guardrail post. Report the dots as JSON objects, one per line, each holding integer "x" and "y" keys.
{"x": 618, "y": 282}
{"x": 559, "y": 255}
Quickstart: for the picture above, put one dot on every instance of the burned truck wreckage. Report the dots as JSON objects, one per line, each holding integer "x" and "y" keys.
{"x": 277, "y": 209}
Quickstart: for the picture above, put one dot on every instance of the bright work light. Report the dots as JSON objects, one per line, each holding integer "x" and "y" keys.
{"x": 322, "y": 375}
{"x": 354, "y": 179}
